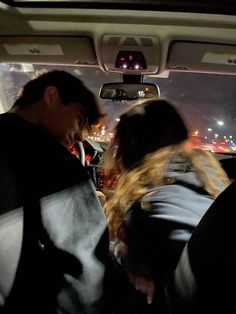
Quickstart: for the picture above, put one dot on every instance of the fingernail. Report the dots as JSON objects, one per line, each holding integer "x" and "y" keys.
{"x": 149, "y": 300}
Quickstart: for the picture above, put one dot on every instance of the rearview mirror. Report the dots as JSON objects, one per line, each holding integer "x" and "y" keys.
{"x": 123, "y": 91}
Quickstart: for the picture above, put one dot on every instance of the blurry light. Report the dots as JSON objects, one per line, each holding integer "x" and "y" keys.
{"x": 230, "y": 136}
{"x": 27, "y": 67}
{"x": 220, "y": 123}
{"x": 78, "y": 72}
{"x": 146, "y": 89}
{"x": 125, "y": 66}
{"x": 209, "y": 129}
{"x": 96, "y": 125}
{"x": 21, "y": 67}
{"x": 216, "y": 135}
{"x": 196, "y": 132}
{"x": 136, "y": 66}
{"x": 117, "y": 119}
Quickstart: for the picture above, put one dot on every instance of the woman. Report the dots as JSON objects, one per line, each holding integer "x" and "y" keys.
{"x": 163, "y": 190}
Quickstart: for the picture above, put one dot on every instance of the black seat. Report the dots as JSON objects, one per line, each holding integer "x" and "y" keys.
{"x": 229, "y": 165}
{"x": 205, "y": 278}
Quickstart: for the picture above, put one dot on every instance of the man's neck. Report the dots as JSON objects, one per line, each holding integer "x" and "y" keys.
{"x": 30, "y": 113}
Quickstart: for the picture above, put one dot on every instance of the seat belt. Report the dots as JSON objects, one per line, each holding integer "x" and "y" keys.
{"x": 11, "y": 235}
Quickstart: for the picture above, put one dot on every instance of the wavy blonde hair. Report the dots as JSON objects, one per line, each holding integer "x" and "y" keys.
{"x": 150, "y": 173}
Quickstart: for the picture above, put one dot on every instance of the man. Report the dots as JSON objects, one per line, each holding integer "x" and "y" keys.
{"x": 53, "y": 232}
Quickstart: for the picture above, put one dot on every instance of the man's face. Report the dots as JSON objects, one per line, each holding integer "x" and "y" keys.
{"x": 67, "y": 123}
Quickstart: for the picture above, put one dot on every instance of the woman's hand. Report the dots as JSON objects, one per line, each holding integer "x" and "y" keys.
{"x": 136, "y": 273}
{"x": 142, "y": 284}
{"x": 102, "y": 198}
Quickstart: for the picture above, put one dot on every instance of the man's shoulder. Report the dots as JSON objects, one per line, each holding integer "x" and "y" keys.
{"x": 9, "y": 117}
{"x": 12, "y": 126}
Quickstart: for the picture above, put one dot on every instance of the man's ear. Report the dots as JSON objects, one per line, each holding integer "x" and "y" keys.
{"x": 51, "y": 96}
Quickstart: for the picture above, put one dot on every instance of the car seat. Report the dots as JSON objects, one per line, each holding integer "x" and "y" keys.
{"x": 205, "y": 278}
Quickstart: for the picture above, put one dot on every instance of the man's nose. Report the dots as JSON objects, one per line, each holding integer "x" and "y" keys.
{"x": 78, "y": 137}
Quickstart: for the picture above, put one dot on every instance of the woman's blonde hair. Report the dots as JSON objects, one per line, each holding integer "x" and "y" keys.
{"x": 146, "y": 139}
{"x": 151, "y": 173}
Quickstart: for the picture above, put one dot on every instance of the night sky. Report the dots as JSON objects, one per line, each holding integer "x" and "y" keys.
{"x": 203, "y": 99}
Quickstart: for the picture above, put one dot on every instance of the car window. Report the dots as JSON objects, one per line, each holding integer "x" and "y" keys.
{"x": 207, "y": 101}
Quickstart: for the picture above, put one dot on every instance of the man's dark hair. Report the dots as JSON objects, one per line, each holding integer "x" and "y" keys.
{"x": 70, "y": 89}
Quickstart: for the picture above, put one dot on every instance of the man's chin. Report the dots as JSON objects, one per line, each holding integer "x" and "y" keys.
{"x": 66, "y": 143}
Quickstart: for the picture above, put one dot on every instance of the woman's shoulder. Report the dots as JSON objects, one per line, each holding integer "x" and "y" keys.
{"x": 177, "y": 202}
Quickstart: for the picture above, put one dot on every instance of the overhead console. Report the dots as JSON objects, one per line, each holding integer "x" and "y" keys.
{"x": 47, "y": 49}
{"x": 130, "y": 54}
{"x": 200, "y": 56}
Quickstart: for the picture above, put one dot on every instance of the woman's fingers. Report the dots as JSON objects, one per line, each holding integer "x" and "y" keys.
{"x": 150, "y": 291}
{"x": 146, "y": 286}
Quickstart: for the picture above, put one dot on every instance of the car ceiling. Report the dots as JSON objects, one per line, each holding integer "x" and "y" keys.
{"x": 168, "y": 26}
{"x": 207, "y": 6}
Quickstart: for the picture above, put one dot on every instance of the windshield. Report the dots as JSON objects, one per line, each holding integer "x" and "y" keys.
{"x": 206, "y": 101}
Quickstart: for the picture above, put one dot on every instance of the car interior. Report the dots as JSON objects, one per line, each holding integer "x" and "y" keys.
{"x": 127, "y": 50}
